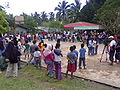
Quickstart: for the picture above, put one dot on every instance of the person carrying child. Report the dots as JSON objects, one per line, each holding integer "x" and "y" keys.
{"x": 82, "y": 57}
{"x": 71, "y": 67}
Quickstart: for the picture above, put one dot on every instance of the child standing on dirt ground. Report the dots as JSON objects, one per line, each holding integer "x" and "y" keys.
{"x": 57, "y": 61}
{"x": 82, "y": 57}
{"x": 76, "y": 52}
{"x": 26, "y": 49}
{"x": 71, "y": 67}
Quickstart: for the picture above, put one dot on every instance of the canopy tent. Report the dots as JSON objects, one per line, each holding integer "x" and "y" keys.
{"x": 84, "y": 26}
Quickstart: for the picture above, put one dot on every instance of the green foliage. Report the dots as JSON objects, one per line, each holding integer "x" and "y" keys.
{"x": 37, "y": 18}
{"x": 52, "y": 16}
{"x": 62, "y": 10}
{"x": 3, "y": 23}
{"x": 109, "y": 15}
{"x": 45, "y": 24}
{"x": 10, "y": 19}
{"x": 88, "y": 12}
{"x": 44, "y": 16}
{"x": 55, "y": 24}
{"x": 29, "y": 21}
{"x": 74, "y": 11}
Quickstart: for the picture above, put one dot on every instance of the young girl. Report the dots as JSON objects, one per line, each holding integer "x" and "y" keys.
{"x": 26, "y": 49}
{"x": 49, "y": 57}
{"x": 71, "y": 67}
{"x": 57, "y": 61}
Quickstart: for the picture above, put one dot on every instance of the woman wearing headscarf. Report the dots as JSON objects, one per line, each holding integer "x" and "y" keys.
{"x": 11, "y": 53}
{"x": 49, "y": 57}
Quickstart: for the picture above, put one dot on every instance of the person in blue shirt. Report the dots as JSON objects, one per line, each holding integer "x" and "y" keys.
{"x": 82, "y": 57}
{"x": 75, "y": 52}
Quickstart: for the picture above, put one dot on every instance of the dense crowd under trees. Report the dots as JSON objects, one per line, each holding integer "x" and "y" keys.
{"x": 104, "y": 12}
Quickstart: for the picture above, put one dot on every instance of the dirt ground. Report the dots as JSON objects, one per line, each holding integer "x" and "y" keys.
{"x": 101, "y": 72}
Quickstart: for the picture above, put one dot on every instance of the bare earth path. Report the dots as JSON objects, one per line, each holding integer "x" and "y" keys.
{"x": 101, "y": 72}
{"x": 96, "y": 71}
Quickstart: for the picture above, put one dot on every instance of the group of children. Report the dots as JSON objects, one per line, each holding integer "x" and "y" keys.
{"x": 72, "y": 59}
{"x": 52, "y": 57}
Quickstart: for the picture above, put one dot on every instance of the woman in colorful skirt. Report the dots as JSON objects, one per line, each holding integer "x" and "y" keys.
{"x": 49, "y": 57}
{"x": 71, "y": 67}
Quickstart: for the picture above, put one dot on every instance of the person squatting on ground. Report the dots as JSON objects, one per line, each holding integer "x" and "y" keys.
{"x": 13, "y": 59}
{"x": 49, "y": 57}
{"x": 37, "y": 57}
{"x": 112, "y": 46}
{"x": 71, "y": 67}
{"x": 57, "y": 61}
{"x": 82, "y": 57}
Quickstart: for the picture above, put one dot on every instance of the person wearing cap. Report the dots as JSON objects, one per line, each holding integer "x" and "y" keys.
{"x": 112, "y": 49}
{"x": 117, "y": 55}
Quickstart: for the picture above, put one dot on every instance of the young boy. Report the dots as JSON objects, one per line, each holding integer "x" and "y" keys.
{"x": 82, "y": 57}
{"x": 76, "y": 52}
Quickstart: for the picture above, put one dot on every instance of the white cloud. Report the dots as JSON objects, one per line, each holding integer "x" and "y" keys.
{"x": 30, "y": 6}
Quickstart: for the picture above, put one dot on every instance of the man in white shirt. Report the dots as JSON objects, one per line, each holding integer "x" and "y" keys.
{"x": 112, "y": 49}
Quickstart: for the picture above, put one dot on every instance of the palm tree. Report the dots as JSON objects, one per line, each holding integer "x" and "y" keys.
{"x": 37, "y": 18}
{"x": 51, "y": 14}
{"x": 74, "y": 11}
{"x": 44, "y": 16}
{"x": 62, "y": 9}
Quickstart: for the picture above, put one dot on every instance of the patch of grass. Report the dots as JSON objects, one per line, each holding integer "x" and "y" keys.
{"x": 66, "y": 84}
{"x": 31, "y": 78}
{"x": 19, "y": 83}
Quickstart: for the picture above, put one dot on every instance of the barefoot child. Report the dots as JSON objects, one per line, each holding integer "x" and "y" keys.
{"x": 71, "y": 67}
{"x": 82, "y": 56}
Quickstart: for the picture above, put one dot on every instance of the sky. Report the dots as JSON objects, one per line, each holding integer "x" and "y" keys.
{"x": 17, "y": 7}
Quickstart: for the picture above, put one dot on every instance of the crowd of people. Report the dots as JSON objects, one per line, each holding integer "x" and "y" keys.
{"x": 13, "y": 46}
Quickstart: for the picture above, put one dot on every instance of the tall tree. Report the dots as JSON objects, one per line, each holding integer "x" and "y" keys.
{"x": 37, "y": 18}
{"x": 109, "y": 15}
{"x": 74, "y": 11}
{"x": 4, "y": 25}
{"x": 44, "y": 16}
{"x": 62, "y": 9}
{"x": 52, "y": 16}
{"x": 10, "y": 19}
{"x": 88, "y": 12}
